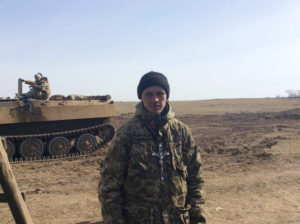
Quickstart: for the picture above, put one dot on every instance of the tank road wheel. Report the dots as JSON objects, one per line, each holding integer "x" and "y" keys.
{"x": 10, "y": 149}
{"x": 59, "y": 146}
{"x": 106, "y": 133}
{"x": 86, "y": 143}
{"x": 31, "y": 148}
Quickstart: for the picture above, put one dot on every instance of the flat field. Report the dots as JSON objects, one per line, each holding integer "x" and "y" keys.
{"x": 251, "y": 156}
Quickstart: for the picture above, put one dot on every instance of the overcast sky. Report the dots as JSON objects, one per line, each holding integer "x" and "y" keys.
{"x": 207, "y": 49}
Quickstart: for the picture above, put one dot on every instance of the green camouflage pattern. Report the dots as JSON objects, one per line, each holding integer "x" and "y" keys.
{"x": 40, "y": 90}
{"x": 131, "y": 190}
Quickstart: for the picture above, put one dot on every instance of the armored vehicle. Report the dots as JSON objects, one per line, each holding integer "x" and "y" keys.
{"x": 57, "y": 127}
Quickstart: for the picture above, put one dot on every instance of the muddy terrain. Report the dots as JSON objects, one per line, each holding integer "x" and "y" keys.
{"x": 251, "y": 156}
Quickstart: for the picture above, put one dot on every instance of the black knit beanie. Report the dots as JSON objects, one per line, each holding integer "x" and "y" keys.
{"x": 153, "y": 79}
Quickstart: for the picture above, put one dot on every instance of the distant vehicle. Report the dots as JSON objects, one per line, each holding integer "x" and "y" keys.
{"x": 57, "y": 127}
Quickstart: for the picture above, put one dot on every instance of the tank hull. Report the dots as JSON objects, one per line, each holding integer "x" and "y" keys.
{"x": 43, "y": 127}
{"x": 12, "y": 112}
{"x": 39, "y": 128}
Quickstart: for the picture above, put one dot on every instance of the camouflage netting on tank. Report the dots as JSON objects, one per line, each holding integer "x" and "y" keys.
{"x": 80, "y": 97}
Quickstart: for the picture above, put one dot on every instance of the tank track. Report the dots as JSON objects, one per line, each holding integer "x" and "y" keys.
{"x": 68, "y": 134}
{"x": 70, "y": 156}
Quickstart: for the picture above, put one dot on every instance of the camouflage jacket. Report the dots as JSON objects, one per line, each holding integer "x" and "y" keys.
{"x": 42, "y": 89}
{"x": 131, "y": 189}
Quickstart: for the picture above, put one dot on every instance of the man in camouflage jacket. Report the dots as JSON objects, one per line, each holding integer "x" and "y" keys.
{"x": 152, "y": 172}
{"x": 40, "y": 89}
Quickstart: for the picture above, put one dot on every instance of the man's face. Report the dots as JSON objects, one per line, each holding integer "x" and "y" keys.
{"x": 154, "y": 99}
{"x": 37, "y": 78}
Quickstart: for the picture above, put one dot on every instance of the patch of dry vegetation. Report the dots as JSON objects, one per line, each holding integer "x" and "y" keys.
{"x": 221, "y": 106}
{"x": 250, "y": 151}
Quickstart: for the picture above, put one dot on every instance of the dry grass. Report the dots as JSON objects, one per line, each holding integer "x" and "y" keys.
{"x": 222, "y": 106}
{"x": 250, "y": 151}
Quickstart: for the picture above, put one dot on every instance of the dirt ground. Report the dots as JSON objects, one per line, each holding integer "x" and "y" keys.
{"x": 251, "y": 156}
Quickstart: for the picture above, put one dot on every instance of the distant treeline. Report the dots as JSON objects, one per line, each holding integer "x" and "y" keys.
{"x": 293, "y": 93}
